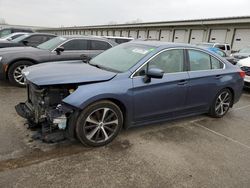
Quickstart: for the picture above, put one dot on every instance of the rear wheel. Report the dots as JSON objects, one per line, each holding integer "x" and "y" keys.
{"x": 15, "y": 73}
{"x": 99, "y": 123}
{"x": 222, "y": 103}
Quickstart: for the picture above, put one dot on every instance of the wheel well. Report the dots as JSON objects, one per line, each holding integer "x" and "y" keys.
{"x": 120, "y": 105}
{"x": 17, "y": 60}
{"x": 232, "y": 91}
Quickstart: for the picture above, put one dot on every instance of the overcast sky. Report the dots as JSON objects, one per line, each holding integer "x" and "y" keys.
{"x": 54, "y": 13}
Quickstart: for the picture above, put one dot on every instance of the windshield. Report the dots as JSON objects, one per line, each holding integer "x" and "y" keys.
{"x": 245, "y": 50}
{"x": 52, "y": 43}
{"x": 121, "y": 58}
{"x": 18, "y": 39}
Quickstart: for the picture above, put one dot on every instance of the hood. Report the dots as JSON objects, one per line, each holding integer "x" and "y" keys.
{"x": 241, "y": 55}
{"x": 66, "y": 72}
{"x": 19, "y": 50}
{"x": 6, "y": 43}
{"x": 244, "y": 62}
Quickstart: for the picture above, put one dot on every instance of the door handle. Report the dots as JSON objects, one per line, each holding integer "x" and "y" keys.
{"x": 218, "y": 76}
{"x": 182, "y": 82}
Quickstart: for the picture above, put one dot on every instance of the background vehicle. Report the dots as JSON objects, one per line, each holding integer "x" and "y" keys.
{"x": 225, "y": 47}
{"x": 221, "y": 53}
{"x": 14, "y": 60}
{"x": 132, "y": 84}
{"x": 119, "y": 40}
{"x": 31, "y": 39}
{"x": 244, "y": 64}
{"x": 243, "y": 53}
{"x": 12, "y": 36}
{"x": 7, "y": 31}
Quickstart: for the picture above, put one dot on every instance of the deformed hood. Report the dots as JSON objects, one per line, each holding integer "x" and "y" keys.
{"x": 66, "y": 72}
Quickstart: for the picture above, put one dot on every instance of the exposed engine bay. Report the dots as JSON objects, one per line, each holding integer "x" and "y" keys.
{"x": 45, "y": 111}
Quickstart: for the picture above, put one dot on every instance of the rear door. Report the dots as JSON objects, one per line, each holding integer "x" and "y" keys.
{"x": 206, "y": 76}
{"x": 161, "y": 98}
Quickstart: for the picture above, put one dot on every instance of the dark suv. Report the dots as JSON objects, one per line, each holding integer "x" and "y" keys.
{"x": 14, "y": 60}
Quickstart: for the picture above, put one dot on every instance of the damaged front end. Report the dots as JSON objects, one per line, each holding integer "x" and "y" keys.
{"x": 45, "y": 111}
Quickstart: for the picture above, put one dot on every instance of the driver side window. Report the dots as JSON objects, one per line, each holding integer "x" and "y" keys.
{"x": 169, "y": 61}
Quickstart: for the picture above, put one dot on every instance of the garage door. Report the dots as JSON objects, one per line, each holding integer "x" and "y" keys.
{"x": 241, "y": 39}
{"x": 88, "y": 32}
{"x": 133, "y": 34}
{"x": 125, "y": 33}
{"x": 218, "y": 35}
{"x": 142, "y": 34}
{"x": 104, "y": 33}
{"x": 165, "y": 35}
{"x": 153, "y": 34}
{"x": 99, "y": 33}
{"x": 110, "y": 33}
{"x": 196, "y": 36}
{"x": 118, "y": 33}
{"x": 180, "y": 36}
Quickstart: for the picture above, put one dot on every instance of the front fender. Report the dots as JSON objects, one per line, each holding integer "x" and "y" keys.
{"x": 119, "y": 90}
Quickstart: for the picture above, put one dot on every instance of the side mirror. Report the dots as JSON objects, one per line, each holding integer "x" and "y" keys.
{"x": 85, "y": 58}
{"x": 25, "y": 42}
{"x": 153, "y": 73}
{"x": 59, "y": 50}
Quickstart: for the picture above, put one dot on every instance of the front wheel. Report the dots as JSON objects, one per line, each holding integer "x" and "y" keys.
{"x": 99, "y": 123}
{"x": 15, "y": 75}
{"x": 221, "y": 104}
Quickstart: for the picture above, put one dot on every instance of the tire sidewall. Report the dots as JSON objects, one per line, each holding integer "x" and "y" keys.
{"x": 12, "y": 69}
{"x": 87, "y": 111}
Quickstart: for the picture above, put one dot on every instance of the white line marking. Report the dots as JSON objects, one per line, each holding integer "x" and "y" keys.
{"x": 228, "y": 138}
{"x": 240, "y": 108}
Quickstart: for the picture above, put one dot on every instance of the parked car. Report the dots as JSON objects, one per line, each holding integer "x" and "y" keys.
{"x": 225, "y": 47}
{"x": 243, "y": 53}
{"x": 7, "y": 31}
{"x": 31, "y": 39}
{"x": 14, "y": 60}
{"x": 244, "y": 64}
{"x": 132, "y": 84}
{"x": 223, "y": 54}
{"x": 119, "y": 40}
{"x": 12, "y": 36}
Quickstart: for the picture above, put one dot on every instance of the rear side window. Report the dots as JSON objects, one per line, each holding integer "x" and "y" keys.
{"x": 99, "y": 45}
{"x": 216, "y": 64}
{"x": 37, "y": 39}
{"x": 76, "y": 44}
{"x": 199, "y": 60}
{"x": 222, "y": 47}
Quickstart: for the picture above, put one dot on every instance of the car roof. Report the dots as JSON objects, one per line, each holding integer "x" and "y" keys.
{"x": 31, "y": 34}
{"x": 89, "y": 37}
{"x": 163, "y": 44}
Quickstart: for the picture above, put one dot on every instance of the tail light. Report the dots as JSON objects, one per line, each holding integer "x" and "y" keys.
{"x": 242, "y": 74}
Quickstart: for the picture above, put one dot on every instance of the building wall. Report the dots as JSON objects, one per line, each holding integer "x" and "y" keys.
{"x": 235, "y": 32}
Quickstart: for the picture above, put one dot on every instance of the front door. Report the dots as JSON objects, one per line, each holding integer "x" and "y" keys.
{"x": 161, "y": 98}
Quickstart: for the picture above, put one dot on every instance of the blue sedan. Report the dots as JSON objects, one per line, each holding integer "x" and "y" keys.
{"x": 135, "y": 83}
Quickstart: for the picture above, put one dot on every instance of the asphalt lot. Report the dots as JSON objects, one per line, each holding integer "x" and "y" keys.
{"x": 191, "y": 152}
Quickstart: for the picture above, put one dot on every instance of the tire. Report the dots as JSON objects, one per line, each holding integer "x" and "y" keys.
{"x": 14, "y": 74}
{"x": 221, "y": 104}
{"x": 98, "y": 124}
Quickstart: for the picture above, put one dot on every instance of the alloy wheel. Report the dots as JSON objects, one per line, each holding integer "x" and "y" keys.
{"x": 18, "y": 76}
{"x": 223, "y": 102}
{"x": 100, "y": 125}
